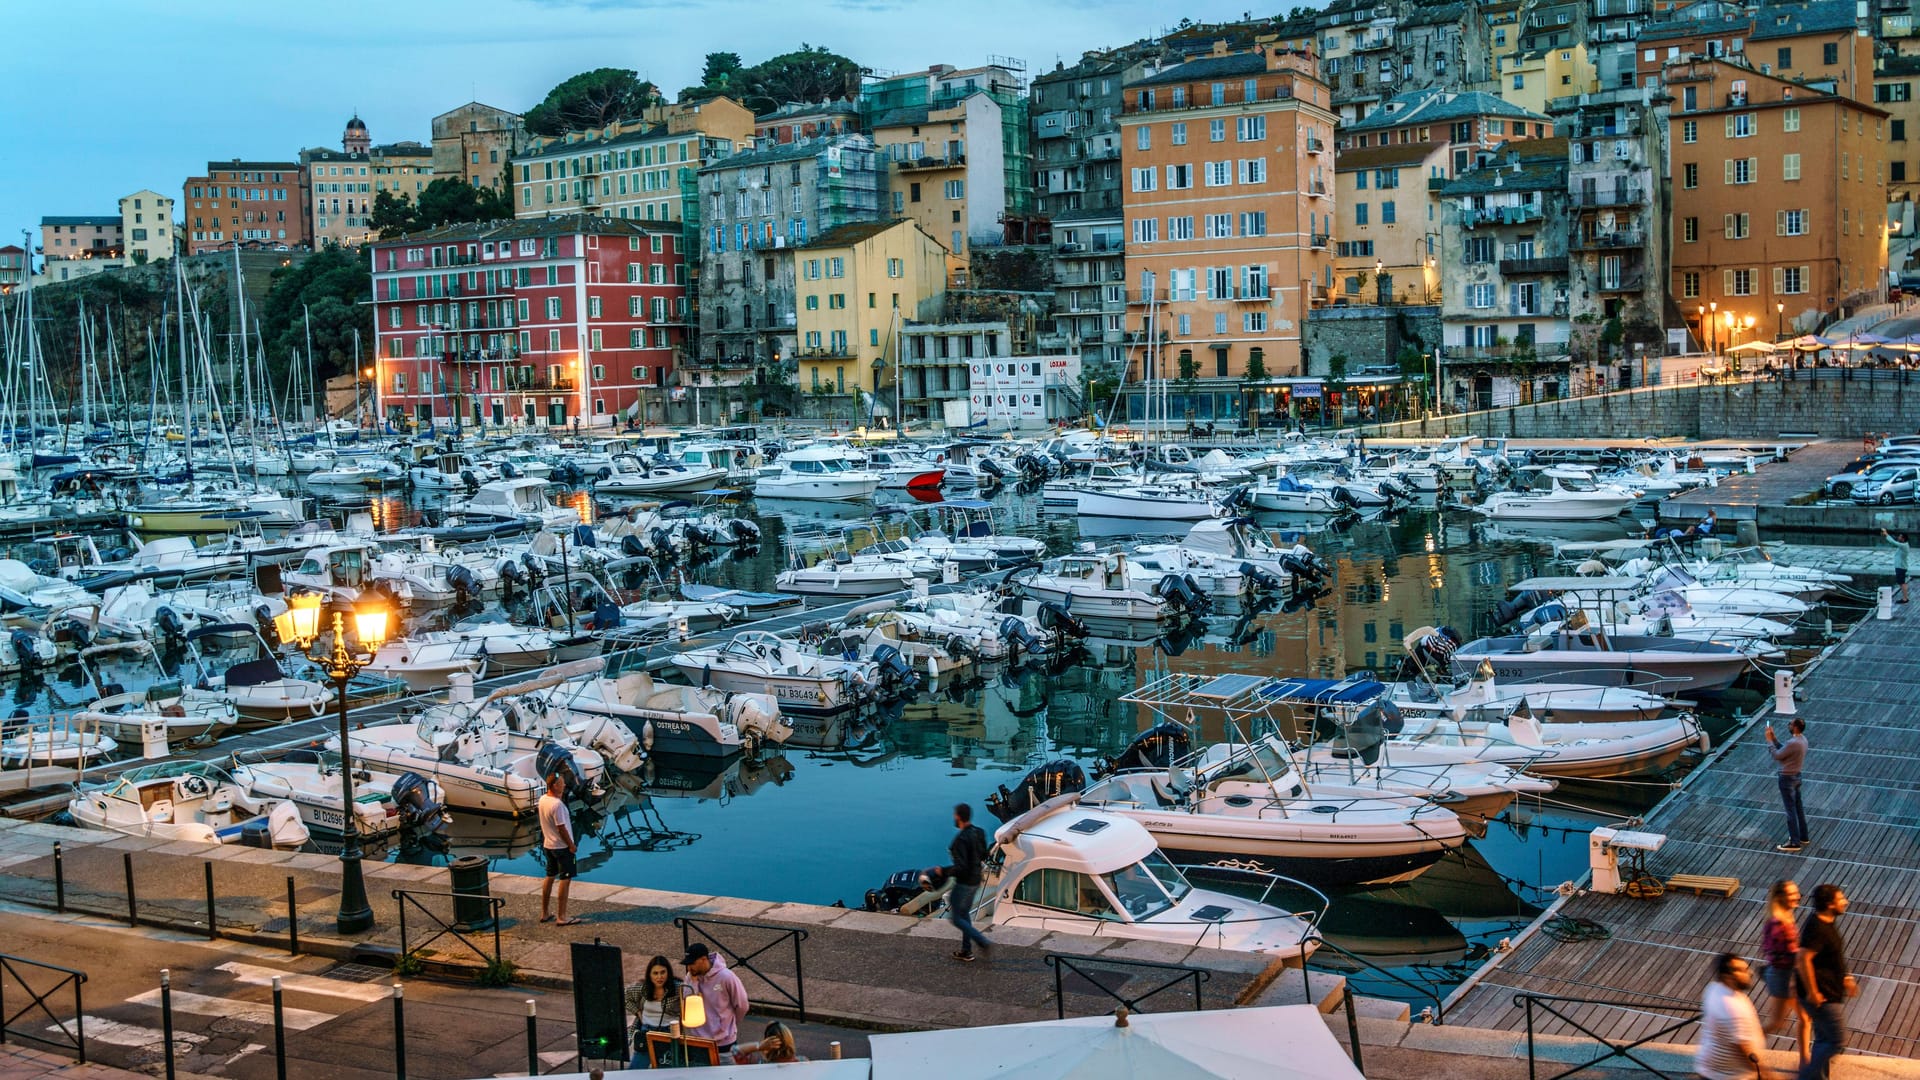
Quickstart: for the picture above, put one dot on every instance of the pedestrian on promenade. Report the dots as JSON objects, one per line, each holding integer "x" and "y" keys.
{"x": 1825, "y": 984}
{"x": 1730, "y": 1036}
{"x": 1780, "y": 945}
{"x": 556, "y": 837}
{"x": 654, "y": 1002}
{"x": 1792, "y": 757}
{"x": 969, "y": 853}
{"x": 776, "y": 1048}
{"x": 1900, "y": 550}
{"x": 720, "y": 991}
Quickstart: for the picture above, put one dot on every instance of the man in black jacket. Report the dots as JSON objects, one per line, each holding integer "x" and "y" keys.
{"x": 969, "y": 853}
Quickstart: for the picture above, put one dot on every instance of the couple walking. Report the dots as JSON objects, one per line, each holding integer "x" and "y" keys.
{"x": 1806, "y": 977}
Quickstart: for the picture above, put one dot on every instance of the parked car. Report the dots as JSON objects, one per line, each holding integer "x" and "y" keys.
{"x": 1841, "y": 484}
{"x": 1888, "y": 485}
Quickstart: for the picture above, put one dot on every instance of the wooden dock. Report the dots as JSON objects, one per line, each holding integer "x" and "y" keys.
{"x": 1862, "y": 792}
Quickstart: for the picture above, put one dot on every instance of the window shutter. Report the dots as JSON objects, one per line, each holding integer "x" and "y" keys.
{"x": 1753, "y": 169}
{"x": 1779, "y": 229}
{"x": 1779, "y": 280}
{"x": 1726, "y": 226}
{"x": 1729, "y": 169}
{"x": 1726, "y": 282}
{"x": 1804, "y": 279}
{"x": 1729, "y": 127}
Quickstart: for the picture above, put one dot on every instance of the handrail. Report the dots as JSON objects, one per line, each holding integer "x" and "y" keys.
{"x": 1438, "y": 1011}
{"x": 75, "y": 1039}
{"x": 797, "y": 997}
{"x": 1059, "y": 963}
{"x": 409, "y": 897}
{"x": 1529, "y": 1001}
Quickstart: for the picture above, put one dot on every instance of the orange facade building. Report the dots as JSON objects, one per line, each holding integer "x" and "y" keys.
{"x": 1227, "y": 185}
{"x": 1779, "y": 202}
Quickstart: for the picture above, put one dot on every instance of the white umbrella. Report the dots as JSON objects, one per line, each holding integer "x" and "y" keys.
{"x": 1276, "y": 1043}
{"x": 1753, "y": 346}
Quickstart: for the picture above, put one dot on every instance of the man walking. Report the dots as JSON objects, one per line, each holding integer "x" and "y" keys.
{"x": 556, "y": 836}
{"x": 1730, "y": 1035}
{"x": 1900, "y": 549}
{"x": 1792, "y": 758}
{"x": 1825, "y": 984}
{"x": 969, "y": 854}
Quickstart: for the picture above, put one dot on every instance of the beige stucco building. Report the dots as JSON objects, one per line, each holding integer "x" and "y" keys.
{"x": 640, "y": 169}
{"x": 854, "y": 287}
{"x": 146, "y": 226}
{"x": 475, "y": 142}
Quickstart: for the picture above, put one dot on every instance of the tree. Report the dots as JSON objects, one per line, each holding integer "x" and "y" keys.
{"x": 590, "y": 99}
{"x": 451, "y": 201}
{"x": 1256, "y": 367}
{"x": 720, "y": 69}
{"x": 810, "y": 73}
{"x": 392, "y": 216}
{"x": 329, "y": 289}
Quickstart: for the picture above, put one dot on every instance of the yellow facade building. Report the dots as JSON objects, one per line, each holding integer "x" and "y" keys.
{"x": 854, "y": 286}
{"x": 1530, "y": 78}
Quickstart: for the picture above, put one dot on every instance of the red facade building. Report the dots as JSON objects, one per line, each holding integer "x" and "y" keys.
{"x": 568, "y": 321}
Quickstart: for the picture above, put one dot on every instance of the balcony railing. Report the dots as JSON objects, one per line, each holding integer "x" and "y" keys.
{"x": 1258, "y": 294}
{"x": 1317, "y": 187}
{"x": 1629, "y": 130}
{"x": 1538, "y": 350}
{"x": 1633, "y": 282}
{"x": 1318, "y": 240}
{"x": 1587, "y": 200}
{"x": 945, "y": 161}
{"x": 1496, "y": 215}
{"x": 1146, "y": 296}
{"x": 1554, "y": 265}
{"x": 1604, "y": 241}
{"x": 1314, "y": 145}
{"x": 539, "y": 384}
{"x": 1435, "y": 183}
{"x": 1372, "y": 42}
{"x": 825, "y": 352}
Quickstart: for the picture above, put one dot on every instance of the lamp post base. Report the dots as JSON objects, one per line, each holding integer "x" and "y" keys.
{"x": 356, "y": 915}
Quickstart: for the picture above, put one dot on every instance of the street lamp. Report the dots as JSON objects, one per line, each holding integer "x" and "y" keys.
{"x": 300, "y": 626}
{"x": 1713, "y": 306}
{"x": 1779, "y": 319}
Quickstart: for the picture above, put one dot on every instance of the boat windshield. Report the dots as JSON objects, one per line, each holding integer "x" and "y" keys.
{"x": 1169, "y": 876}
{"x": 1138, "y": 891}
{"x": 1577, "y": 483}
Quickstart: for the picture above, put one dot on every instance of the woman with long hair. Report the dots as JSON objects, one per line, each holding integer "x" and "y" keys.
{"x": 1780, "y": 945}
{"x": 776, "y": 1048}
{"x": 654, "y": 1002}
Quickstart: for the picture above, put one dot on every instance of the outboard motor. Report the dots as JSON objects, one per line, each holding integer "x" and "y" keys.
{"x": 662, "y": 542}
{"x": 469, "y": 478}
{"x": 744, "y": 531}
{"x": 509, "y": 470}
{"x": 1240, "y": 498}
{"x": 554, "y": 758}
{"x": 894, "y": 669}
{"x": 1179, "y": 592}
{"x": 633, "y": 547}
{"x": 465, "y": 585}
{"x": 1017, "y": 635}
{"x": 1043, "y": 783}
{"x": 606, "y": 615}
{"x": 536, "y": 570}
{"x": 23, "y": 650}
{"x": 1155, "y": 748}
{"x": 511, "y": 575}
{"x": 172, "y": 628}
{"x": 1262, "y": 581}
{"x": 1517, "y": 605}
{"x": 1542, "y": 615}
{"x": 1339, "y": 494}
{"x": 263, "y": 619}
{"x": 1061, "y": 621}
{"x": 903, "y": 886}
{"x": 412, "y": 795}
{"x": 992, "y": 468}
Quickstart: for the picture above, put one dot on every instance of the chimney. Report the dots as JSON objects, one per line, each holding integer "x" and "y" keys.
{"x": 1219, "y": 48}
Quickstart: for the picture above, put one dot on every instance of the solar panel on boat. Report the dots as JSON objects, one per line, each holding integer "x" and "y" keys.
{"x": 1227, "y": 686}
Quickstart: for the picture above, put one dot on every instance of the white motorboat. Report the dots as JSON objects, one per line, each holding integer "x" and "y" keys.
{"x": 669, "y": 718}
{"x": 1286, "y": 495}
{"x": 449, "y": 471}
{"x": 815, "y": 472}
{"x": 903, "y": 469}
{"x": 1571, "y": 495}
{"x": 629, "y": 475}
{"x": 1563, "y": 750}
{"x": 383, "y": 803}
{"x": 51, "y": 745}
{"x": 1551, "y": 702}
{"x": 258, "y": 688}
{"x": 21, "y": 587}
{"x": 761, "y": 662}
{"x": 188, "y": 800}
{"x": 1098, "y": 587}
{"x": 1066, "y": 867}
{"x": 522, "y": 499}
{"x": 184, "y": 713}
{"x": 1218, "y": 578}
{"x": 1238, "y": 539}
{"x": 1727, "y": 597}
{"x": 848, "y": 575}
{"x": 1587, "y": 654}
{"x": 1150, "y": 502}
{"x": 426, "y": 660}
{"x": 476, "y": 759}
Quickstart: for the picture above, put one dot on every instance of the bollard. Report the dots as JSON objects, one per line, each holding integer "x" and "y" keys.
{"x": 133, "y": 911}
{"x": 166, "y": 1016}
{"x": 293, "y": 921}
{"x": 1883, "y": 613}
{"x": 279, "y": 1034}
{"x": 211, "y": 933}
{"x": 399, "y": 1033}
{"x": 59, "y": 880}
{"x": 533, "y": 1042}
{"x": 833, "y": 1049}
{"x": 1783, "y": 693}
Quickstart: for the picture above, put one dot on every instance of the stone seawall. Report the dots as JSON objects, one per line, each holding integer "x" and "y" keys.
{"x": 1829, "y": 407}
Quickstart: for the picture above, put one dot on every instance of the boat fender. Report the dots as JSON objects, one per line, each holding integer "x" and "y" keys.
{"x": 646, "y": 736}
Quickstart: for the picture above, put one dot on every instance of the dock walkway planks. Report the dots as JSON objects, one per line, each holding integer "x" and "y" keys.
{"x": 1774, "y": 483}
{"x": 1862, "y": 792}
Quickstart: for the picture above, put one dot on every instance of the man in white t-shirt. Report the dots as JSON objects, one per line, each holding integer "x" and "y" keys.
{"x": 556, "y": 836}
{"x": 1730, "y": 1035}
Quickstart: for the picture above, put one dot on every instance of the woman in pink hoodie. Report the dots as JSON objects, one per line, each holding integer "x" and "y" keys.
{"x": 720, "y": 991}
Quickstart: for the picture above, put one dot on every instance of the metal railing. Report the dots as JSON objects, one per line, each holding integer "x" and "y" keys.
{"x": 408, "y": 898}
{"x": 1551, "y": 1005}
{"x": 1176, "y": 974}
{"x": 38, "y": 1002}
{"x": 797, "y": 997}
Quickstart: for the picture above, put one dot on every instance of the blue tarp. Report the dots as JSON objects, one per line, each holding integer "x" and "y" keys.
{"x": 1324, "y": 691}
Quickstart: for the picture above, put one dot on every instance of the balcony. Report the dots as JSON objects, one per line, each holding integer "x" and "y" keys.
{"x": 481, "y": 356}
{"x": 824, "y": 352}
{"x": 949, "y": 161}
{"x": 1373, "y": 42}
{"x": 1495, "y": 354}
{"x": 1526, "y": 267}
{"x": 1632, "y": 129}
{"x": 1315, "y": 146}
{"x": 1489, "y": 216}
{"x": 1592, "y": 200}
{"x": 1318, "y": 241}
{"x": 1317, "y": 187}
{"x": 1146, "y": 296}
{"x": 1253, "y": 295}
{"x": 722, "y": 363}
{"x": 1317, "y": 294}
{"x": 539, "y": 385}
{"x": 1629, "y": 282}
{"x": 1103, "y": 153}
{"x": 1607, "y": 241}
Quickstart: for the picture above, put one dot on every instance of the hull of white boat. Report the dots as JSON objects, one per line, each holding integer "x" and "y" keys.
{"x": 426, "y": 676}
{"x": 1091, "y": 602}
{"x": 1671, "y": 673}
{"x": 1294, "y": 502}
{"x": 159, "y": 519}
{"x": 1123, "y": 504}
{"x": 1317, "y": 853}
{"x": 466, "y": 787}
{"x": 823, "y": 694}
{"x": 822, "y": 490}
{"x": 1548, "y": 508}
{"x": 687, "y": 481}
{"x": 813, "y": 582}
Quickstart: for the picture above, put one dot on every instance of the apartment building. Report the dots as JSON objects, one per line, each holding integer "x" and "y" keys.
{"x": 1079, "y": 187}
{"x": 1371, "y": 52}
{"x": 759, "y": 207}
{"x": 1617, "y": 250}
{"x": 404, "y": 168}
{"x": 1229, "y": 165}
{"x": 1779, "y": 200}
{"x": 82, "y": 236}
{"x": 250, "y": 203}
{"x": 1504, "y": 310}
{"x": 856, "y": 286}
{"x": 1817, "y": 43}
{"x": 565, "y": 321}
{"x": 642, "y": 169}
{"x": 475, "y": 142}
{"x": 339, "y": 195}
{"x": 146, "y": 226}
{"x": 797, "y": 120}
{"x": 1894, "y": 86}
{"x": 13, "y": 268}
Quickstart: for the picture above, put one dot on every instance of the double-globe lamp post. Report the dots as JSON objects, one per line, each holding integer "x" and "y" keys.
{"x": 299, "y": 626}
